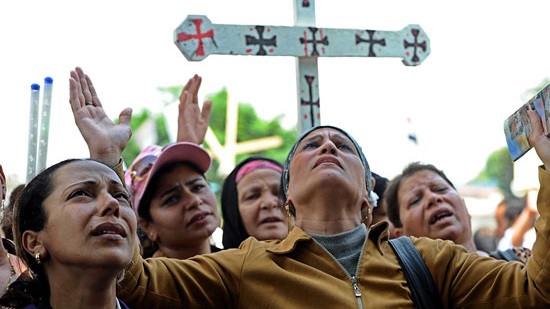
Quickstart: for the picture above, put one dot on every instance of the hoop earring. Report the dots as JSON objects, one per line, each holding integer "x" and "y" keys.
{"x": 37, "y": 258}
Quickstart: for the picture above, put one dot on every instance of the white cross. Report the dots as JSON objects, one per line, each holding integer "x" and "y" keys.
{"x": 197, "y": 37}
{"x": 227, "y": 153}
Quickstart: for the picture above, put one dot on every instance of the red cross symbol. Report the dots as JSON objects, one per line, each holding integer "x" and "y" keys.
{"x": 182, "y": 36}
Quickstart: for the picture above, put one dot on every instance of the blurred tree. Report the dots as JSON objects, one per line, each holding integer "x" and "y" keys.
{"x": 499, "y": 171}
{"x": 249, "y": 127}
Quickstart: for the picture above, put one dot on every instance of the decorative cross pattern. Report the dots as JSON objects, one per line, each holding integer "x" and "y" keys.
{"x": 198, "y": 35}
{"x": 310, "y": 102}
{"x": 371, "y": 41}
{"x": 197, "y": 38}
{"x": 314, "y": 42}
{"x": 416, "y": 45}
{"x": 260, "y": 41}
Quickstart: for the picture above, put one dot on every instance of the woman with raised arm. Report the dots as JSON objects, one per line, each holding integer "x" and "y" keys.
{"x": 75, "y": 229}
{"x": 176, "y": 208}
{"x": 331, "y": 259}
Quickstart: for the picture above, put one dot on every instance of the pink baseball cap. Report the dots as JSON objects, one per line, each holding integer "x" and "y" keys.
{"x": 153, "y": 157}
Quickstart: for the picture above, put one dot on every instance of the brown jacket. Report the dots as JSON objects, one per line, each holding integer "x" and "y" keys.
{"x": 298, "y": 273}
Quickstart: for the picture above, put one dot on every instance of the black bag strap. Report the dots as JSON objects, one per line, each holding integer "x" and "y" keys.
{"x": 507, "y": 255}
{"x": 424, "y": 293}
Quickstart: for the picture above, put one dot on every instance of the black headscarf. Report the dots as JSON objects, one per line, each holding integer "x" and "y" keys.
{"x": 234, "y": 231}
{"x": 379, "y": 187}
{"x": 286, "y": 174}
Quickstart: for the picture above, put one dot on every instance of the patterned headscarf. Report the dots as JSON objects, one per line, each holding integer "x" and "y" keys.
{"x": 286, "y": 174}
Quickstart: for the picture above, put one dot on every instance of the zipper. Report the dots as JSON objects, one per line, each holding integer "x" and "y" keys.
{"x": 353, "y": 279}
{"x": 356, "y": 290}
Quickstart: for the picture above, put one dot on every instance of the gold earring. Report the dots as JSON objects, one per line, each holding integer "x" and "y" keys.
{"x": 287, "y": 208}
{"x": 37, "y": 258}
{"x": 369, "y": 212}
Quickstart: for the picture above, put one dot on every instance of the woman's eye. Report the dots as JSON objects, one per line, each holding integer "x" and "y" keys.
{"x": 343, "y": 146}
{"x": 414, "y": 202}
{"x": 198, "y": 187}
{"x": 309, "y": 145}
{"x": 252, "y": 196}
{"x": 122, "y": 195}
{"x": 79, "y": 193}
{"x": 170, "y": 200}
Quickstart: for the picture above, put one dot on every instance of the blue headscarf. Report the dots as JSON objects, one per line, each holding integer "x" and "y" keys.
{"x": 286, "y": 174}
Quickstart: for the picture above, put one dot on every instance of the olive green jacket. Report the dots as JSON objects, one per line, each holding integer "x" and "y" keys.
{"x": 298, "y": 273}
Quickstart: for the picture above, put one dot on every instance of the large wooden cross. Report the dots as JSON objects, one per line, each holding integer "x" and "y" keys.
{"x": 197, "y": 37}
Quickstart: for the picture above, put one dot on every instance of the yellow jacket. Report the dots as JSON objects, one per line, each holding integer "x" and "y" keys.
{"x": 298, "y": 273}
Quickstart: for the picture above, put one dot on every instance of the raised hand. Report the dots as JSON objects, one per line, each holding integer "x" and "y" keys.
{"x": 192, "y": 121}
{"x": 538, "y": 139}
{"x": 105, "y": 139}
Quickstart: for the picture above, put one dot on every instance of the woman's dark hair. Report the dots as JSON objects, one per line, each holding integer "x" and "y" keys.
{"x": 7, "y": 212}
{"x": 29, "y": 214}
{"x": 390, "y": 195}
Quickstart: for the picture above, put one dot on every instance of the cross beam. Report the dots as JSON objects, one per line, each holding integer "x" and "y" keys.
{"x": 197, "y": 38}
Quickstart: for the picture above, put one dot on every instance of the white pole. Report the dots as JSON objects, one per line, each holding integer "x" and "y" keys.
{"x": 44, "y": 125}
{"x": 33, "y": 131}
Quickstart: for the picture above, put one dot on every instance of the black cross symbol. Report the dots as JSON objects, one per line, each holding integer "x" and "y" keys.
{"x": 314, "y": 42}
{"x": 415, "y": 44}
{"x": 250, "y": 40}
{"x": 371, "y": 42}
{"x": 310, "y": 102}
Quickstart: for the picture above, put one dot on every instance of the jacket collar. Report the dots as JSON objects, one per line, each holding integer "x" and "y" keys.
{"x": 378, "y": 233}
{"x": 288, "y": 244}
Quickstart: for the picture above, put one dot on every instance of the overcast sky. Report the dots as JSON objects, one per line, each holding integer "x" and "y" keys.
{"x": 484, "y": 56}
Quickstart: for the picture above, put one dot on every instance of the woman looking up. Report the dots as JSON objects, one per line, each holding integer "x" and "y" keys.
{"x": 330, "y": 257}
{"x": 76, "y": 230}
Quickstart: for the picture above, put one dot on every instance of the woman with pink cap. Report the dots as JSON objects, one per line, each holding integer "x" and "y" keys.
{"x": 175, "y": 205}
{"x": 176, "y": 208}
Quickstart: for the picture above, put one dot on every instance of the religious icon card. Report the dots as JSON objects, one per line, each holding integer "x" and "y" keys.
{"x": 517, "y": 127}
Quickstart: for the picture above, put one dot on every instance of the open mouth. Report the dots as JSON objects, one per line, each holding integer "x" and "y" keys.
{"x": 439, "y": 216}
{"x": 327, "y": 159}
{"x": 271, "y": 220}
{"x": 199, "y": 216}
{"x": 109, "y": 229}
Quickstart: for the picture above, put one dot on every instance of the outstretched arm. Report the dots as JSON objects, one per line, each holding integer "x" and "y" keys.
{"x": 105, "y": 139}
{"x": 192, "y": 121}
